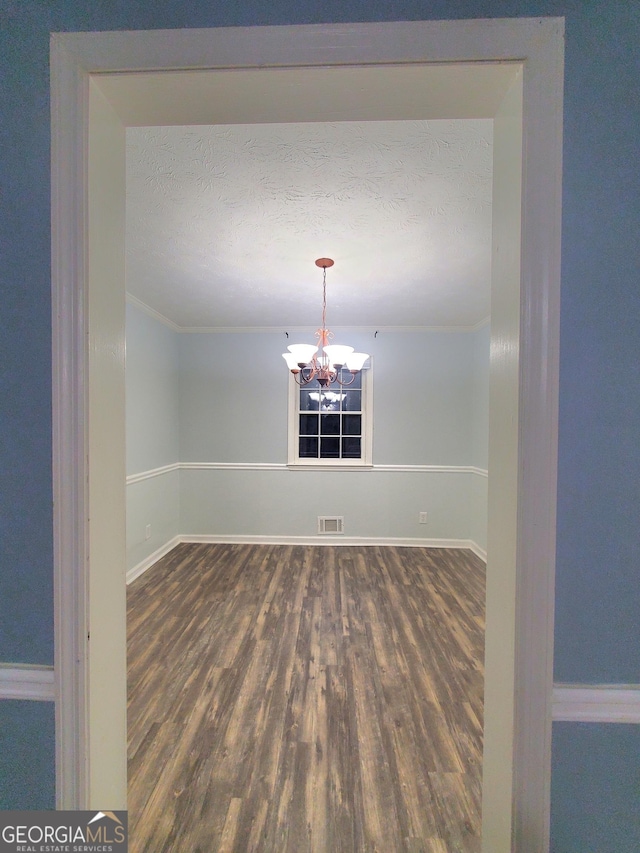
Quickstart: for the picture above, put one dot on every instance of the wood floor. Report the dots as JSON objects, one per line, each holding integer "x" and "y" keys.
{"x": 291, "y": 699}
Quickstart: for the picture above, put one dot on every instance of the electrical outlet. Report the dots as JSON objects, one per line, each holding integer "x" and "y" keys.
{"x": 147, "y": 532}
{"x": 422, "y": 518}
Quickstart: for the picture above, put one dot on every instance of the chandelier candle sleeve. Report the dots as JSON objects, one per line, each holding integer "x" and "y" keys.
{"x": 302, "y": 353}
{"x": 356, "y": 360}
{"x": 324, "y": 362}
{"x": 338, "y": 354}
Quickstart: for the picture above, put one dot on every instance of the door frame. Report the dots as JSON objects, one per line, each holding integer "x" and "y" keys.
{"x": 88, "y": 386}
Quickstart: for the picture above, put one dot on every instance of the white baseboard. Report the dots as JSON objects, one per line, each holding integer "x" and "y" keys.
{"x": 597, "y": 703}
{"x": 149, "y": 561}
{"x": 477, "y": 550}
{"x": 338, "y": 539}
{"x": 25, "y": 681}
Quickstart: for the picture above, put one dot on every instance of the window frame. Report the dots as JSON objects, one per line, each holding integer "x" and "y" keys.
{"x": 294, "y": 460}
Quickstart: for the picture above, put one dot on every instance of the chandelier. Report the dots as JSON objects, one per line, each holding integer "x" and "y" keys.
{"x": 324, "y": 361}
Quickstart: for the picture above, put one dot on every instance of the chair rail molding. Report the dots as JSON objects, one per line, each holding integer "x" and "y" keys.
{"x": 27, "y": 681}
{"x": 282, "y": 466}
{"x": 596, "y": 703}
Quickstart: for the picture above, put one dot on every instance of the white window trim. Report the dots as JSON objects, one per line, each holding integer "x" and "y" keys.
{"x": 366, "y": 461}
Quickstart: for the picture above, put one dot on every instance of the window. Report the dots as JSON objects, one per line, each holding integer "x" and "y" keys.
{"x": 331, "y": 426}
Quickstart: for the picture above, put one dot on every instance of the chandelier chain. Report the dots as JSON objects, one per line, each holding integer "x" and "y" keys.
{"x": 324, "y": 298}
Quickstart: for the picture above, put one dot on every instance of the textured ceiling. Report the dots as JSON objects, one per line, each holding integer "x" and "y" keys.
{"x": 224, "y": 223}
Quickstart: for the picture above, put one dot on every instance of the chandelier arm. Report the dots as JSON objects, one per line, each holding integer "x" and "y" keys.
{"x": 308, "y": 376}
{"x": 344, "y": 384}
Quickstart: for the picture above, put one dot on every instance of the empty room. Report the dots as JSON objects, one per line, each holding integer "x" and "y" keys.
{"x": 306, "y": 541}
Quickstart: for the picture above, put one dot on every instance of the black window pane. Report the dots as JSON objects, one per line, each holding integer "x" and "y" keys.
{"x": 330, "y": 448}
{"x": 330, "y": 424}
{"x": 351, "y": 448}
{"x": 351, "y": 424}
{"x": 308, "y": 448}
{"x": 352, "y": 401}
{"x": 357, "y": 379}
{"x": 308, "y": 424}
{"x": 309, "y": 400}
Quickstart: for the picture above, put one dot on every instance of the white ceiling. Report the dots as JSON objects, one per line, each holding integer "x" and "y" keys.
{"x": 224, "y": 223}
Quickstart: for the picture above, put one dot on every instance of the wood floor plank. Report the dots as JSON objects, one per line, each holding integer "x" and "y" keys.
{"x": 290, "y": 698}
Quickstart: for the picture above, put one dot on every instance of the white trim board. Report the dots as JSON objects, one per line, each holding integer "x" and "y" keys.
{"x": 233, "y": 466}
{"x": 152, "y": 559}
{"x": 152, "y": 472}
{"x": 337, "y": 540}
{"x": 156, "y": 315}
{"x": 276, "y": 466}
{"x": 432, "y": 469}
{"x": 577, "y": 703}
{"x": 597, "y": 703}
{"x": 25, "y": 681}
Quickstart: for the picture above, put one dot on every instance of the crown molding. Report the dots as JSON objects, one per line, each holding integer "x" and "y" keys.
{"x": 156, "y": 315}
{"x": 295, "y": 330}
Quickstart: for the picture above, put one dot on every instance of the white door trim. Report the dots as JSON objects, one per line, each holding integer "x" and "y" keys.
{"x": 521, "y": 821}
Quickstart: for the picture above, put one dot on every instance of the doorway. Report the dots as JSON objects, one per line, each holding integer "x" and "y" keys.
{"x": 89, "y": 382}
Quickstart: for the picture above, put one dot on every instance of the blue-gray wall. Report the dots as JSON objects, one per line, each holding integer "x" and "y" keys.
{"x": 595, "y": 788}
{"x": 27, "y": 755}
{"x": 597, "y": 604}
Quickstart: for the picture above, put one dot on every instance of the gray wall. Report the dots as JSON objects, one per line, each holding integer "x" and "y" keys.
{"x": 233, "y": 398}
{"x": 152, "y": 429}
{"x": 423, "y": 386}
{"x": 152, "y": 404}
{"x": 479, "y": 435}
{"x": 424, "y": 395}
{"x": 597, "y": 605}
{"x": 480, "y": 398}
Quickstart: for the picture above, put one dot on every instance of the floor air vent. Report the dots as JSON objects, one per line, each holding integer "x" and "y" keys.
{"x": 330, "y": 524}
